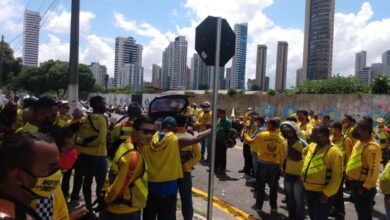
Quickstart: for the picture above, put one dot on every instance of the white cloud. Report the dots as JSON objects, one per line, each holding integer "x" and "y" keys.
{"x": 10, "y": 9}
{"x": 54, "y": 49}
{"x": 355, "y": 32}
{"x": 59, "y": 21}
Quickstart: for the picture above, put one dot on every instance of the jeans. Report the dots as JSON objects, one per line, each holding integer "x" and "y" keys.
{"x": 205, "y": 145}
{"x": 317, "y": 210}
{"x": 185, "y": 190}
{"x": 161, "y": 208}
{"x": 338, "y": 206}
{"x": 129, "y": 216}
{"x": 93, "y": 167}
{"x": 220, "y": 157}
{"x": 77, "y": 181}
{"x": 296, "y": 197}
{"x": 267, "y": 173}
{"x": 387, "y": 206}
{"x": 248, "y": 164}
{"x": 364, "y": 202}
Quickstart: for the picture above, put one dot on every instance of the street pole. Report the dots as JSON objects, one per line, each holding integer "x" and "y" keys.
{"x": 1, "y": 58}
{"x": 73, "y": 87}
{"x": 214, "y": 112}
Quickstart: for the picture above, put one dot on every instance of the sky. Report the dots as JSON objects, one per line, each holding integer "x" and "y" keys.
{"x": 359, "y": 25}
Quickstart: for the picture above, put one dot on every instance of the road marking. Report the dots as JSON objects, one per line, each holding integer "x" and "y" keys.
{"x": 225, "y": 207}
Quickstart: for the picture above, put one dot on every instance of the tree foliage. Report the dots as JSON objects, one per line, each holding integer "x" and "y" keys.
{"x": 334, "y": 85}
{"x": 11, "y": 66}
{"x": 51, "y": 76}
{"x": 381, "y": 85}
{"x": 231, "y": 92}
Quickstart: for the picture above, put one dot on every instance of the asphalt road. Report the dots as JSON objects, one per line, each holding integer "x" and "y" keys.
{"x": 235, "y": 192}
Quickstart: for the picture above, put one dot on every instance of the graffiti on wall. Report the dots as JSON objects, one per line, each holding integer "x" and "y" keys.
{"x": 288, "y": 110}
{"x": 267, "y": 110}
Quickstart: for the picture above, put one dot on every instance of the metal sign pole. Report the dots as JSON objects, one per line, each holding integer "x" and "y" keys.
{"x": 214, "y": 112}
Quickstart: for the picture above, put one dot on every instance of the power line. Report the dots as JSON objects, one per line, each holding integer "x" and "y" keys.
{"x": 40, "y": 7}
{"x": 28, "y": 4}
{"x": 44, "y": 17}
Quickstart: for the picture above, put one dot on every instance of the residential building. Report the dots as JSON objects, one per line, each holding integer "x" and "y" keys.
{"x": 133, "y": 76}
{"x": 281, "y": 66}
{"x": 364, "y": 74}
{"x": 127, "y": 51}
{"x": 299, "y": 77}
{"x": 386, "y": 62}
{"x": 266, "y": 84}
{"x": 251, "y": 83}
{"x": 31, "y": 26}
{"x": 174, "y": 64}
{"x": 360, "y": 61}
{"x": 110, "y": 83}
{"x": 228, "y": 83}
{"x": 156, "y": 76}
{"x": 99, "y": 73}
{"x": 237, "y": 78}
{"x": 375, "y": 70}
{"x": 318, "y": 39}
{"x": 261, "y": 66}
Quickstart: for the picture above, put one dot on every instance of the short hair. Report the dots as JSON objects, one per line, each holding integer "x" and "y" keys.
{"x": 303, "y": 112}
{"x": 366, "y": 123}
{"x": 338, "y": 125}
{"x": 60, "y": 135}
{"x": 95, "y": 100}
{"x": 274, "y": 122}
{"x": 142, "y": 120}
{"x": 349, "y": 118}
{"x": 323, "y": 129}
{"x": 221, "y": 110}
{"x": 259, "y": 118}
{"x": 17, "y": 151}
{"x": 326, "y": 116}
{"x": 180, "y": 119}
{"x": 291, "y": 119}
{"x": 45, "y": 102}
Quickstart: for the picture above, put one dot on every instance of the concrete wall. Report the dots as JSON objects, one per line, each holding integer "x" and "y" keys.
{"x": 284, "y": 105}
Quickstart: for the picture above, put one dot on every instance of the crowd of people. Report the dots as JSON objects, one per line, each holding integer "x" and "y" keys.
{"x": 142, "y": 163}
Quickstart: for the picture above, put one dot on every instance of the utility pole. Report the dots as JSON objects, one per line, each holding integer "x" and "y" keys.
{"x": 73, "y": 87}
{"x": 1, "y": 58}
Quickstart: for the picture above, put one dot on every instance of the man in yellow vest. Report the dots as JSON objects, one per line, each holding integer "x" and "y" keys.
{"x": 294, "y": 162}
{"x": 127, "y": 192}
{"x": 122, "y": 131}
{"x": 63, "y": 114}
{"x": 91, "y": 144}
{"x": 385, "y": 187}
{"x": 27, "y": 163}
{"x": 322, "y": 173}
{"x": 164, "y": 169}
{"x": 203, "y": 123}
{"x": 363, "y": 169}
{"x": 348, "y": 127}
{"x": 303, "y": 124}
{"x": 189, "y": 156}
{"x": 271, "y": 155}
{"x": 383, "y": 137}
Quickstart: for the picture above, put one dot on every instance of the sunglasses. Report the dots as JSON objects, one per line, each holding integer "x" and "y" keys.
{"x": 148, "y": 131}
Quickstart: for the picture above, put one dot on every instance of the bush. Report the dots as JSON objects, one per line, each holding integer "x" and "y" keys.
{"x": 231, "y": 92}
{"x": 189, "y": 93}
{"x": 381, "y": 85}
{"x": 271, "y": 92}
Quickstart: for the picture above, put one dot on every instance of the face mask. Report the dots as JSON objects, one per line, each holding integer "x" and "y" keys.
{"x": 68, "y": 159}
{"x": 45, "y": 186}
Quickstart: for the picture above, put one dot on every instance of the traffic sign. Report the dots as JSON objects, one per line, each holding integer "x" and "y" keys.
{"x": 205, "y": 41}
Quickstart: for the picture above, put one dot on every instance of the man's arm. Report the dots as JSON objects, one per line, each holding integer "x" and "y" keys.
{"x": 187, "y": 141}
{"x": 372, "y": 158}
{"x": 335, "y": 162}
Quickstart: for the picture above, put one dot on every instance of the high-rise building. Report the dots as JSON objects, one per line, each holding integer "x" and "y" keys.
{"x": 199, "y": 77}
{"x": 360, "y": 61}
{"x": 251, "y": 83}
{"x": 188, "y": 79}
{"x": 299, "y": 77}
{"x": 261, "y": 65}
{"x": 364, "y": 74}
{"x": 110, "y": 83}
{"x": 210, "y": 72}
{"x": 31, "y": 26}
{"x": 99, "y": 73}
{"x": 127, "y": 51}
{"x": 376, "y": 69}
{"x": 266, "y": 84}
{"x": 132, "y": 75}
{"x": 386, "y": 62}
{"x": 318, "y": 43}
{"x": 175, "y": 64}
{"x": 228, "y": 77}
{"x": 156, "y": 76}
{"x": 281, "y": 65}
{"x": 237, "y": 77}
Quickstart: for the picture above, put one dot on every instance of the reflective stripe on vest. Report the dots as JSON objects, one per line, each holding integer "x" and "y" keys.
{"x": 125, "y": 132}
{"x": 314, "y": 163}
{"x": 355, "y": 160}
{"x": 140, "y": 183}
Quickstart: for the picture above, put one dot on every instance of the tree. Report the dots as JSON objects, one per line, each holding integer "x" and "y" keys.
{"x": 334, "y": 85}
{"x": 11, "y": 66}
{"x": 381, "y": 85}
{"x": 231, "y": 92}
{"x": 203, "y": 87}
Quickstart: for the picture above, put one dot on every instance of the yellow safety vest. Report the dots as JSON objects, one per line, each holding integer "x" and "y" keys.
{"x": 384, "y": 180}
{"x": 355, "y": 160}
{"x": 126, "y": 129}
{"x": 314, "y": 170}
{"x": 382, "y": 139}
{"x": 139, "y": 188}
